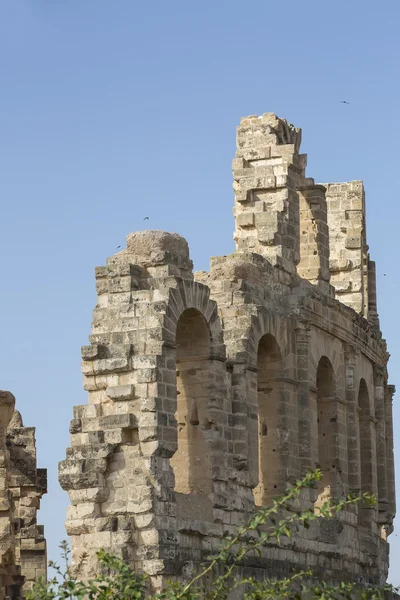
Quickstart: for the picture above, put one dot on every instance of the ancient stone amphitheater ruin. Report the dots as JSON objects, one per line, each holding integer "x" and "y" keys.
{"x": 210, "y": 392}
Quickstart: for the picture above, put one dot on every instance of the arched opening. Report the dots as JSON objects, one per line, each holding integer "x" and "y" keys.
{"x": 269, "y": 388}
{"x": 191, "y": 462}
{"x": 367, "y": 459}
{"x": 327, "y": 430}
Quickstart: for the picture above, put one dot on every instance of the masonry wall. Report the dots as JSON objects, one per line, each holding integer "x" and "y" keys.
{"x": 348, "y": 245}
{"x": 22, "y": 545}
{"x": 209, "y": 392}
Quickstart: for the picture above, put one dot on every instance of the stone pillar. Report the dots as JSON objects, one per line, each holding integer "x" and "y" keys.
{"x": 11, "y": 579}
{"x": 368, "y": 456}
{"x": 265, "y": 170}
{"x": 314, "y": 236}
{"x": 353, "y": 442}
{"x": 8, "y": 569}
{"x": 341, "y": 408}
{"x": 347, "y": 242}
{"x": 390, "y": 477}
{"x": 308, "y": 430}
{"x": 27, "y": 485}
{"x": 373, "y": 316}
{"x": 379, "y": 392}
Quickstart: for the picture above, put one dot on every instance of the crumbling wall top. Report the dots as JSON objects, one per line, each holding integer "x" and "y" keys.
{"x": 22, "y": 485}
{"x": 154, "y": 248}
{"x": 7, "y": 406}
{"x": 266, "y": 130}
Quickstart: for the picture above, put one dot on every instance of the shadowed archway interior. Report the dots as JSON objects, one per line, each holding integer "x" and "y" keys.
{"x": 327, "y": 430}
{"x": 191, "y": 462}
{"x": 269, "y": 389}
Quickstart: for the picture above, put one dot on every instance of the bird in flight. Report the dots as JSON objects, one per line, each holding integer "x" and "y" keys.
{"x": 118, "y": 247}
{"x": 344, "y": 102}
{"x": 146, "y": 218}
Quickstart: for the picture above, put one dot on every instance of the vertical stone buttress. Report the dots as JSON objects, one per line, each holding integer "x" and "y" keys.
{"x": 381, "y": 440}
{"x": 369, "y": 457}
{"x": 10, "y": 572}
{"x": 279, "y": 213}
{"x": 391, "y": 507}
{"x": 266, "y": 169}
{"x": 27, "y": 485}
{"x": 347, "y": 243}
{"x": 373, "y": 316}
{"x": 314, "y": 236}
{"x": 353, "y": 442}
{"x": 307, "y": 441}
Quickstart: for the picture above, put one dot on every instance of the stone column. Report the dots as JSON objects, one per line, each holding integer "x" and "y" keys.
{"x": 342, "y": 446}
{"x": 368, "y": 455}
{"x": 379, "y": 391}
{"x": 314, "y": 236}
{"x": 346, "y": 221}
{"x": 306, "y": 411}
{"x": 266, "y": 169}
{"x": 308, "y": 434}
{"x": 373, "y": 316}
{"x": 27, "y": 485}
{"x": 353, "y": 442}
{"x": 10, "y": 571}
{"x": 390, "y": 477}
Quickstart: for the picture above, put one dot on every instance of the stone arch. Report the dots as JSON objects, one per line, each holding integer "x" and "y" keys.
{"x": 323, "y": 344}
{"x": 196, "y": 362}
{"x": 190, "y": 294}
{"x": 327, "y": 425}
{"x": 364, "y": 377}
{"x": 269, "y": 340}
{"x": 261, "y": 324}
{"x": 270, "y": 433}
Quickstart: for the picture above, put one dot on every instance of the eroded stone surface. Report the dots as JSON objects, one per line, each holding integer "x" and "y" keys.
{"x": 209, "y": 393}
{"x": 22, "y": 544}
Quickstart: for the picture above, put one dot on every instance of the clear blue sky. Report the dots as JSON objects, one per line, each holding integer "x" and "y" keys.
{"x": 112, "y": 111}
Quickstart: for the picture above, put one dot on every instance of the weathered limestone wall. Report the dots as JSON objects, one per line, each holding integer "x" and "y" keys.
{"x": 209, "y": 392}
{"x": 314, "y": 237}
{"x": 266, "y": 168}
{"x": 347, "y": 242}
{"x": 22, "y": 546}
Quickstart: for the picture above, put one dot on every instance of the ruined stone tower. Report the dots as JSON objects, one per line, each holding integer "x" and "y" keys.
{"x": 210, "y": 392}
{"x": 22, "y": 545}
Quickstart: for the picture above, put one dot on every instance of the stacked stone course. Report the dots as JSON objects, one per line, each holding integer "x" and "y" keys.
{"x": 210, "y": 392}
{"x": 22, "y": 545}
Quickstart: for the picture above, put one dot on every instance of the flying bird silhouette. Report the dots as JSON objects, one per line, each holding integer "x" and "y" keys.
{"x": 344, "y": 102}
{"x": 146, "y": 218}
{"x": 118, "y": 247}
